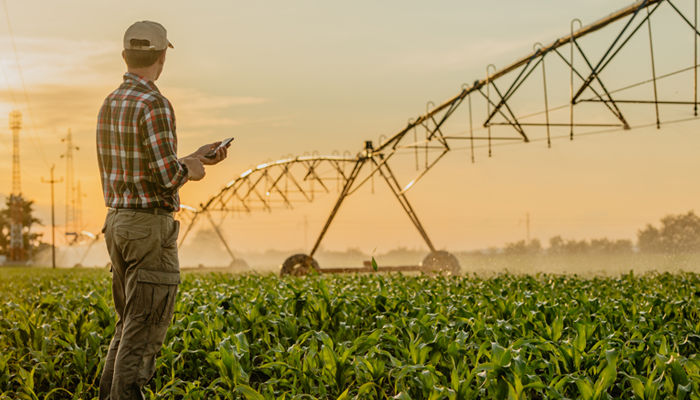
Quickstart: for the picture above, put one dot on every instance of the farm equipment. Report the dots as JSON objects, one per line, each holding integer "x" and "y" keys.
{"x": 435, "y": 262}
{"x": 589, "y": 106}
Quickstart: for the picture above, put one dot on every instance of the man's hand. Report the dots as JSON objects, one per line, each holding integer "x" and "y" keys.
{"x": 206, "y": 149}
{"x": 195, "y": 168}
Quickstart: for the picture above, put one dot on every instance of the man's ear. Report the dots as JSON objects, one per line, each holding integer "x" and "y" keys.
{"x": 124, "y": 55}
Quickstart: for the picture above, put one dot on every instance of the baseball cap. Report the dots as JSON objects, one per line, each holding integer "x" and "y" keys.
{"x": 146, "y": 35}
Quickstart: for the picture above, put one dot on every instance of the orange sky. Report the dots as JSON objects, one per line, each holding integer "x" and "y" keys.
{"x": 314, "y": 76}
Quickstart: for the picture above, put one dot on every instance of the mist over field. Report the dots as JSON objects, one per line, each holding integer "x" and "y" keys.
{"x": 673, "y": 245}
{"x": 193, "y": 258}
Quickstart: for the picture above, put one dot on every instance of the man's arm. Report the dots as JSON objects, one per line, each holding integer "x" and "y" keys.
{"x": 194, "y": 168}
{"x": 159, "y": 138}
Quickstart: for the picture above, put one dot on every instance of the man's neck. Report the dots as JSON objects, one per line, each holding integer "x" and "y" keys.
{"x": 149, "y": 74}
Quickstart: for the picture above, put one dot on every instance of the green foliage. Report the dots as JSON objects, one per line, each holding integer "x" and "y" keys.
{"x": 558, "y": 245}
{"x": 31, "y": 240}
{"x": 367, "y": 336}
{"x": 677, "y": 234}
{"x": 523, "y": 247}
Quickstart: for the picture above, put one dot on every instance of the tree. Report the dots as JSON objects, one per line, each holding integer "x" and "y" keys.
{"x": 557, "y": 245}
{"x": 605, "y": 245}
{"x": 677, "y": 234}
{"x": 31, "y": 240}
{"x": 523, "y": 247}
{"x": 649, "y": 240}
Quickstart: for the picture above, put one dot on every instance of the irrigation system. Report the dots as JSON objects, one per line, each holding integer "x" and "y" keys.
{"x": 591, "y": 105}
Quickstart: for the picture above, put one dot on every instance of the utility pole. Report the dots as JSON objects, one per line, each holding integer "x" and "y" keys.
{"x": 52, "y": 181}
{"x": 527, "y": 226}
{"x": 16, "y": 203}
{"x": 78, "y": 209}
{"x": 71, "y": 229}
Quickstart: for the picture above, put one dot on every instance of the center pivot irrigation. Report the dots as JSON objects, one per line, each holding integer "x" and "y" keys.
{"x": 592, "y": 108}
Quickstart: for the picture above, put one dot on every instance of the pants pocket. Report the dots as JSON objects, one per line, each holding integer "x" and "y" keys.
{"x": 168, "y": 252}
{"x": 155, "y": 292}
{"x": 136, "y": 243}
{"x": 170, "y": 239}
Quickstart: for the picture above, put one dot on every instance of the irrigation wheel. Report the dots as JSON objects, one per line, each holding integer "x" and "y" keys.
{"x": 239, "y": 263}
{"x": 298, "y": 265}
{"x": 442, "y": 261}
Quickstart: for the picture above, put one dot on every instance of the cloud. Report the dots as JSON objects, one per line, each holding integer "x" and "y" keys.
{"x": 67, "y": 80}
{"x": 48, "y": 60}
{"x": 196, "y": 100}
{"x": 197, "y": 110}
{"x": 475, "y": 53}
{"x": 66, "y": 83}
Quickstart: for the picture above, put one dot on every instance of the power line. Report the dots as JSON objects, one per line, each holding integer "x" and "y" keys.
{"x": 12, "y": 95}
{"x": 24, "y": 87}
{"x": 9, "y": 89}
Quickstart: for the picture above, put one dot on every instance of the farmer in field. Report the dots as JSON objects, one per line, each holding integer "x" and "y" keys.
{"x": 141, "y": 176}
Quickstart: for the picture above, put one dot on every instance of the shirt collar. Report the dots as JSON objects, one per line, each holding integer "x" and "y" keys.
{"x": 140, "y": 81}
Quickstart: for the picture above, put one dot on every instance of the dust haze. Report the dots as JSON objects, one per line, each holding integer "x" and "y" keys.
{"x": 205, "y": 252}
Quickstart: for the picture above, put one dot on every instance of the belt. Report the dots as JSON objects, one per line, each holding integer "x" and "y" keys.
{"x": 151, "y": 210}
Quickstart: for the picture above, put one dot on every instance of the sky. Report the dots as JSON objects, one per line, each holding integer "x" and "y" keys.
{"x": 311, "y": 76}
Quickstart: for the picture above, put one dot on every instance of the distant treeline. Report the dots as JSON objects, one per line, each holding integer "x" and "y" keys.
{"x": 676, "y": 234}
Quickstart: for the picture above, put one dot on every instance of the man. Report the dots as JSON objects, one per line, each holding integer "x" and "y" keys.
{"x": 141, "y": 176}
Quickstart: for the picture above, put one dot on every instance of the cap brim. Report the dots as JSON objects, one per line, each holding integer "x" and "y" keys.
{"x": 170, "y": 45}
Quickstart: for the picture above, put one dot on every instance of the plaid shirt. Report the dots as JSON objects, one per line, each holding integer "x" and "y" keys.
{"x": 137, "y": 147}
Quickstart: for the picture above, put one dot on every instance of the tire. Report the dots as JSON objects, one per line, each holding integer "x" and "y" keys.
{"x": 299, "y": 265}
{"x": 239, "y": 263}
{"x": 441, "y": 261}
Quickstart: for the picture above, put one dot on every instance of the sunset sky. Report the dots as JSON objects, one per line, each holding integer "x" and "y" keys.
{"x": 294, "y": 77}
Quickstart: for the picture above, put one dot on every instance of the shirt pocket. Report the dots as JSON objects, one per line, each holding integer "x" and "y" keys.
{"x": 155, "y": 296}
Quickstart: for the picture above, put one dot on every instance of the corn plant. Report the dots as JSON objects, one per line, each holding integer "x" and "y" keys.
{"x": 366, "y": 337}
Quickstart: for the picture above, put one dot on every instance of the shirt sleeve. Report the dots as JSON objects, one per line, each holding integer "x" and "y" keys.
{"x": 158, "y": 129}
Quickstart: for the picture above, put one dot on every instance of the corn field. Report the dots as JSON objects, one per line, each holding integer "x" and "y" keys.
{"x": 366, "y": 337}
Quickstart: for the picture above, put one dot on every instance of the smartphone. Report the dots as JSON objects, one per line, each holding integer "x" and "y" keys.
{"x": 224, "y": 143}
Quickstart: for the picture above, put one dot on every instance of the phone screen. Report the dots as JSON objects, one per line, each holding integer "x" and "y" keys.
{"x": 223, "y": 144}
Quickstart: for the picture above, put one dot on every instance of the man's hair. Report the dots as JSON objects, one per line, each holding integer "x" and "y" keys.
{"x": 141, "y": 58}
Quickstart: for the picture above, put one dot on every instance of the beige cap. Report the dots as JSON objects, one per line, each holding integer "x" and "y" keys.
{"x": 152, "y": 34}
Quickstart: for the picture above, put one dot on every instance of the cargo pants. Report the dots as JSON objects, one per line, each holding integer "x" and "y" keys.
{"x": 145, "y": 278}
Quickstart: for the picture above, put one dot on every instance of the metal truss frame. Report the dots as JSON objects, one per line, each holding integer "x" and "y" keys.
{"x": 276, "y": 184}
{"x": 283, "y": 182}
